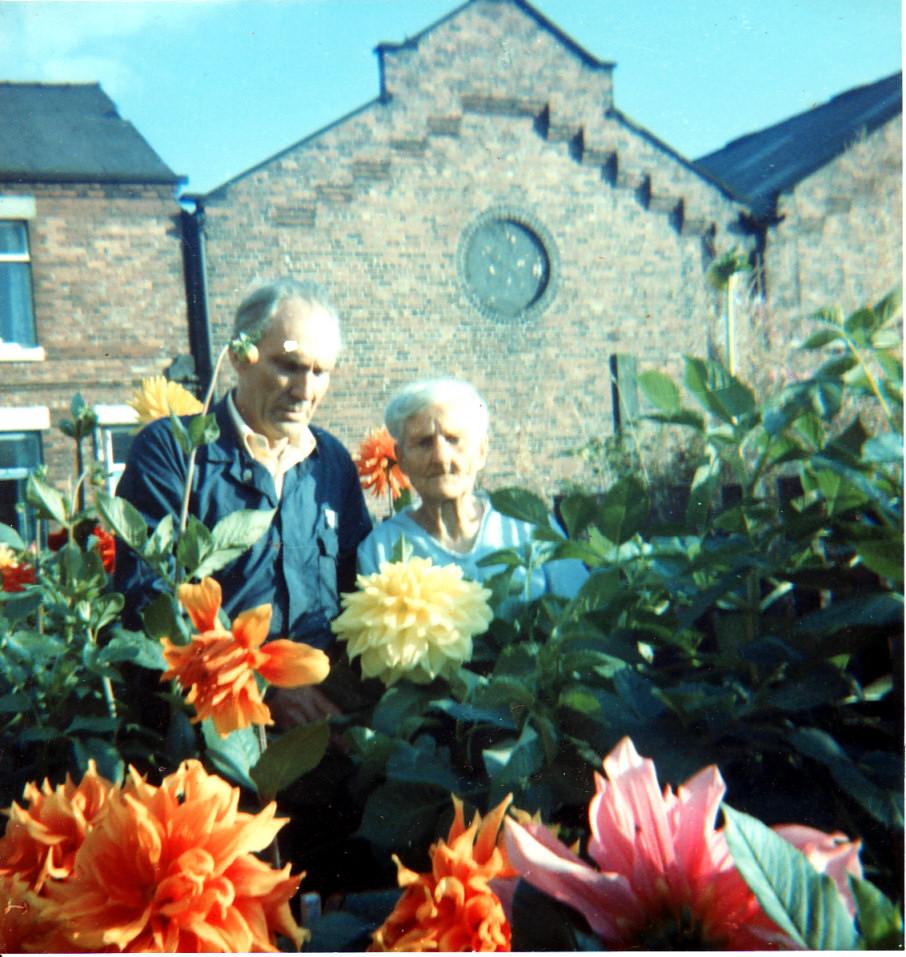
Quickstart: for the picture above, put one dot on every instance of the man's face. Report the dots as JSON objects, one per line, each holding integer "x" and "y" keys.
{"x": 441, "y": 453}
{"x": 278, "y": 395}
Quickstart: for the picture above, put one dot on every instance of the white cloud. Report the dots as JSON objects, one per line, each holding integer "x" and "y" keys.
{"x": 58, "y": 42}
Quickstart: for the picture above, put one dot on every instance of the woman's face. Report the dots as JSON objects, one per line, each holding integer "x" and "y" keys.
{"x": 441, "y": 453}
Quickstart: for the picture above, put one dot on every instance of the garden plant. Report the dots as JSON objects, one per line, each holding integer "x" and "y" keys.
{"x": 702, "y": 749}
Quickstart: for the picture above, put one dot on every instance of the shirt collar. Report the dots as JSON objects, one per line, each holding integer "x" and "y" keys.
{"x": 276, "y": 458}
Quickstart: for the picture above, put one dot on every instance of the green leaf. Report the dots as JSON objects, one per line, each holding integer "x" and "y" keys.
{"x": 515, "y": 760}
{"x": 623, "y": 510}
{"x": 401, "y": 815}
{"x": 235, "y": 755}
{"x": 160, "y": 543}
{"x": 822, "y": 338}
{"x": 883, "y": 556}
{"x": 229, "y": 538}
{"x": 521, "y": 504}
{"x": 720, "y": 393}
{"x": 578, "y": 512}
{"x": 195, "y": 545}
{"x": 10, "y": 537}
{"x": 162, "y": 619}
{"x": 660, "y": 389}
{"x": 203, "y": 429}
{"x": 880, "y": 922}
{"x": 105, "y": 755}
{"x": 883, "y": 805}
{"x": 241, "y": 529}
{"x": 398, "y": 705}
{"x": 14, "y": 702}
{"x": 132, "y": 646}
{"x": 861, "y": 325}
{"x": 423, "y": 763}
{"x": 46, "y": 499}
{"x": 124, "y": 518}
{"x": 289, "y": 756}
{"x": 97, "y": 725}
{"x": 805, "y": 905}
{"x": 885, "y": 448}
{"x": 180, "y": 433}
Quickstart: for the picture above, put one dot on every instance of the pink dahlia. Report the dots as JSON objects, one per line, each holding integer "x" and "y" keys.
{"x": 664, "y": 877}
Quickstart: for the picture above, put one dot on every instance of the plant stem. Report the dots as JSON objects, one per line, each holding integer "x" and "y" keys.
{"x": 274, "y": 849}
{"x": 190, "y": 470}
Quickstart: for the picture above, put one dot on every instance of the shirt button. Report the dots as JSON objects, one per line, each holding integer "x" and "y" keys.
{"x": 246, "y": 475}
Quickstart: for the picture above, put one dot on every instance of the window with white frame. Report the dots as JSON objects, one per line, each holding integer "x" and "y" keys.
{"x": 113, "y": 436}
{"x": 20, "y": 454}
{"x": 17, "y": 318}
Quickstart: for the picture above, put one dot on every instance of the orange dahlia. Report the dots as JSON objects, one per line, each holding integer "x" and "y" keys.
{"x": 378, "y": 467}
{"x": 45, "y": 832}
{"x": 26, "y": 921}
{"x": 171, "y": 869}
{"x": 218, "y": 667}
{"x": 105, "y": 544}
{"x": 453, "y": 908}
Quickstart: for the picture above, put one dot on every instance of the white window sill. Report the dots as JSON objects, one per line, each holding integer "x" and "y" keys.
{"x": 13, "y": 352}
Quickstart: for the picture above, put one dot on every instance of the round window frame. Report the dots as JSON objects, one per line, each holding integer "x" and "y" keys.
{"x": 529, "y": 222}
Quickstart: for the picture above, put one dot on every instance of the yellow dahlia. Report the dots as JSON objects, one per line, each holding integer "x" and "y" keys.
{"x": 413, "y": 619}
{"x": 158, "y": 397}
{"x": 453, "y": 907}
{"x": 171, "y": 869}
{"x": 7, "y": 556}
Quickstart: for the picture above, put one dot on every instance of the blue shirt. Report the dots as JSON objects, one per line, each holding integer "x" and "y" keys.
{"x": 304, "y": 559}
{"x": 562, "y": 577}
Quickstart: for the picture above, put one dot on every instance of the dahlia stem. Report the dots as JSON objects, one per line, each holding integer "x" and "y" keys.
{"x": 190, "y": 471}
{"x": 273, "y": 849}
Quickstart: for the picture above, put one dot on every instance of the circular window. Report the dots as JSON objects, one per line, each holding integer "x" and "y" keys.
{"x": 506, "y": 263}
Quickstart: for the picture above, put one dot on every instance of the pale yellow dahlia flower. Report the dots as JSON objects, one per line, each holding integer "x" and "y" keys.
{"x": 413, "y": 620}
{"x": 7, "y": 556}
{"x": 158, "y": 397}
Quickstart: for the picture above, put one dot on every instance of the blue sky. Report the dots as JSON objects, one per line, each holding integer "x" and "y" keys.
{"x": 219, "y": 86}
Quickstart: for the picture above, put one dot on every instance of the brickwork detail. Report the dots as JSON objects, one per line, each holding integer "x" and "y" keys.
{"x": 393, "y": 187}
{"x": 109, "y": 299}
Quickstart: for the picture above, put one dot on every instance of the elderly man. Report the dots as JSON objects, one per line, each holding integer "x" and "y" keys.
{"x": 267, "y": 456}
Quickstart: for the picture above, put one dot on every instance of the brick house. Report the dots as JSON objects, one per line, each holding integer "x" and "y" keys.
{"x": 492, "y": 214}
{"x": 825, "y": 192}
{"x": 92, "y": 295}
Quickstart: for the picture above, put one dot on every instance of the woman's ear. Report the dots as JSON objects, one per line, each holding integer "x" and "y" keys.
{"x": 482, "y": 453}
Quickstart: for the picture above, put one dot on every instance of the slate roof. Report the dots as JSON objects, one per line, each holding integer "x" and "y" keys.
{"x": 760, "y": 166}
{"x": 72, "y": 133}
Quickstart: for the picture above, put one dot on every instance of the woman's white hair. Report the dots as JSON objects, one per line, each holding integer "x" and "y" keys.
{"x": 417, "y": 396}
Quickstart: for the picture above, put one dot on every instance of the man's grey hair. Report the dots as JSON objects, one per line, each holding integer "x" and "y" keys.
{"x": 256, "y": 311}
{"x": 453, "y": 393}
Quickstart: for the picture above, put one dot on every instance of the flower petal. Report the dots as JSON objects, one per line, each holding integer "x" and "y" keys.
{"x": 289, "y": 664}
{"x": 202, "y": 602}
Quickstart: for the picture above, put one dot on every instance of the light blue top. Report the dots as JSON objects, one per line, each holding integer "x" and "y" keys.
{"x": 563, "y": 577}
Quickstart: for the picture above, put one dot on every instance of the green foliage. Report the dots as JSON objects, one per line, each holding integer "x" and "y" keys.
{"x": 758, "y": 632}
{"x": 805, "y": 905}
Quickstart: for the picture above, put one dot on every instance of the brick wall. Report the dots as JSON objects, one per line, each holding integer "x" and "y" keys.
{"x": 375, "y": 208}
{"x": 840, "y": 239}
{"x": 109, "y": 299}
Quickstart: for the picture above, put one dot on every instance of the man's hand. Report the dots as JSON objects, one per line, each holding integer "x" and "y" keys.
{"x": 292, "y": 707}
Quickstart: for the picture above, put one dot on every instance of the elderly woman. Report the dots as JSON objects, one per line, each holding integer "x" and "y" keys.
{"x": 441, "y": 433}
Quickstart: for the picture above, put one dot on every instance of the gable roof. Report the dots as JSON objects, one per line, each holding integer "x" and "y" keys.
{"x": 760, "y": 166}
{"x": 410, "y": 42}
{"x": 61, "y": 133}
